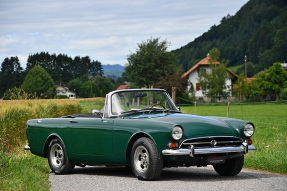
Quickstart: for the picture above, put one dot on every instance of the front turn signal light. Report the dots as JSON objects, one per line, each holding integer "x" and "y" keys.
{"x": 172, "y": 145}
{"x": 249, "y": 141}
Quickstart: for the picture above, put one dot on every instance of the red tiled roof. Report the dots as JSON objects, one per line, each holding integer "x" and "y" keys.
{"x": 249, "y": 80}
{"x": 121, "y": 87}
{"x": 204, "y": 61}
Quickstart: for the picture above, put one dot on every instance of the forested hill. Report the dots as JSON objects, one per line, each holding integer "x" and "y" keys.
{"x": 258, "y": 30}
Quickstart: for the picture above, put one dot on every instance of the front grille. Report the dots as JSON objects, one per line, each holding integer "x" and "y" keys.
{"x": 208, "y": 142}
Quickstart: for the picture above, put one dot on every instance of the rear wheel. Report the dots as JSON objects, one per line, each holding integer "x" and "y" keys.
{"x": 146, "y": 161}
{"x": 231, "y": 167}
{"x": 57, "y": 158}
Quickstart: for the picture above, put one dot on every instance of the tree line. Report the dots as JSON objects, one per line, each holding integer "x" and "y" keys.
{"x": 257, "y": 30}
{"x": 61, "y": 68}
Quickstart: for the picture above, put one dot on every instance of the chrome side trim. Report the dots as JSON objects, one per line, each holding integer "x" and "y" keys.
{"x": 191, "y": 151}
{"x": 27, "y": 147}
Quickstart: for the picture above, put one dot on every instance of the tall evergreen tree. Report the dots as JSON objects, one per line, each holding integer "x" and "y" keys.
{"x": 11, "y": 74}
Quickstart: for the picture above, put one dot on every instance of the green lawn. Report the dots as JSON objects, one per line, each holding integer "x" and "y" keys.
{"x": 235, "y": 68}
{"x": 270, "y": 136}
{"x": 21, "y": 170}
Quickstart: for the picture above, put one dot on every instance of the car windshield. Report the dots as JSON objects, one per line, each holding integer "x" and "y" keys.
{"x": 130, "y": 102}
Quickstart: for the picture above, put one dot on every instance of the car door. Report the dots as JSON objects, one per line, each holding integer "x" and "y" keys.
{"x": 91, "y": 136}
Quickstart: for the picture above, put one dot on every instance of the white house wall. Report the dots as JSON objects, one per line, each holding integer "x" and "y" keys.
{"x": 193, "y": 78}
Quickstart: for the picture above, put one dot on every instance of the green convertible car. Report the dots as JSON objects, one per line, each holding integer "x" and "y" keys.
{"x": 143, "y": 130}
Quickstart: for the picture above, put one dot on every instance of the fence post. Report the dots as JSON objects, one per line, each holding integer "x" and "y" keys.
{"x": 173, "y": 95}
{"x": 195, "y": 108}
{"x": 228, "y": 109}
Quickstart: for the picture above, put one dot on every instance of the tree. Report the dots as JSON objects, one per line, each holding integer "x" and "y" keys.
{"x": 40, "y": 82}
{"x": 273, "y": 79}
{"x": 240, "y": 87}
{"x": 104, "y": 84}
{"x": 214, "y": 82}
{"x": 89, "y": 89}
{"x": 11, "y": 74}
{"x": 75, "y": 85}
{"x": 150, "y": 61}
{"x": 63, "y": 68}
{"x": 172, "y": 80}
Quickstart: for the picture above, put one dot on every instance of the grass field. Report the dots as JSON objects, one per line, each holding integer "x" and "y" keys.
{"x": 235, "y": 68}
{"x": 270, "y": 136}
{"x": 20, "y": 170}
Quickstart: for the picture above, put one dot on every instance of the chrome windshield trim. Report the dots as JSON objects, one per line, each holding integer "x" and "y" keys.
{"x": 108, "y": 103}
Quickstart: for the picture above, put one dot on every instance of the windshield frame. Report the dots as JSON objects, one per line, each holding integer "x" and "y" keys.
{"x": 109, "y": 101}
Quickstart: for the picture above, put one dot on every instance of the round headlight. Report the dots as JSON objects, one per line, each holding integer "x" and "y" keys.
{"x": 248, "y": 130}
{"x": 176, "y": 133}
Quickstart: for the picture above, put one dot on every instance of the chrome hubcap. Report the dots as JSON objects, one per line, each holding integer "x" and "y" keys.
{"x": 141, "y": 159}
{"x": 56, "y": 155}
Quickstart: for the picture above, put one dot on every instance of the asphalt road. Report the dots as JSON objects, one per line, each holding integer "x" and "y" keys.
{"x": 192, "y": 178}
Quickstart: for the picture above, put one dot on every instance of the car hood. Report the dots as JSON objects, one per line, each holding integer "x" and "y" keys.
{"x": 194, "y": 125}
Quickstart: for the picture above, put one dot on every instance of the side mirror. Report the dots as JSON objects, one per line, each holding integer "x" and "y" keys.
{"x": 178, "y": 108}
{"x": 95, "y": 112}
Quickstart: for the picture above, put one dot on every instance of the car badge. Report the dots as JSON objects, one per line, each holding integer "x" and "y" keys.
{"x": 213, "y": 142}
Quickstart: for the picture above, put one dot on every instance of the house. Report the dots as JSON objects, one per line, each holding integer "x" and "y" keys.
{"x": 61, "y": 90}
{"x": 192, "y": 76}
{"x": 284, "y": 66}
{"x": 121, "y": 87}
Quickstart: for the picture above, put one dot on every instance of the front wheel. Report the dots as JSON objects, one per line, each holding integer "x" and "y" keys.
{"x": 231, "y": 167}
{"x": 57, "y": 158}
{"x": 146, "y": 161}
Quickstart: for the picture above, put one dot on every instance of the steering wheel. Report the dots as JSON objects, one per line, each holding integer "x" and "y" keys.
{"x": 156, "y": 105}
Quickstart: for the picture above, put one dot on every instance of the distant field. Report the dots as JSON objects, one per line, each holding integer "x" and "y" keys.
{"x": 235, "y": 68}
{"x": 270, "y": 136}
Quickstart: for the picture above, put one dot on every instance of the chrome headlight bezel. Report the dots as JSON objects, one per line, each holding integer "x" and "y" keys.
{"x": 248, "y": 130}
{"x": 177, "y": 133}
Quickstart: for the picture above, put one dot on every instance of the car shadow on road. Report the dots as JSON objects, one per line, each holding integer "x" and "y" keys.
{"x": 180, "y": 174}
{"x": 104, "y": 171}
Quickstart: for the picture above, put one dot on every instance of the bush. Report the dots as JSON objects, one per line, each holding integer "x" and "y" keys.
{"x": 61, "y": 97}
{"x": 17, "y": 94}
{"x": 185, "y": 99}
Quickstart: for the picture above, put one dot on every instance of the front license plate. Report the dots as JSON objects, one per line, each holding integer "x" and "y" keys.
{"x": 216, "y": 160}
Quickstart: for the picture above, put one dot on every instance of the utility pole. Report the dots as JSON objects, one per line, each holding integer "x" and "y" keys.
{"x": 245, "y": 58}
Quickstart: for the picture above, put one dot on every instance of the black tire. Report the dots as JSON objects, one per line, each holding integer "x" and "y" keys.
{"x": 146, "y": 161}
{"x": 231, "y": 167}
{"x": 57, "y": 158}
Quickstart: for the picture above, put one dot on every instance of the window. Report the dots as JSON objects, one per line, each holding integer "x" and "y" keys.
{"x": 198, "y": 87}
{"x": 201, "y": 71}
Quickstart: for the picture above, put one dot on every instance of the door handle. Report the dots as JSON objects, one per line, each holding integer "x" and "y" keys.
{"x": 73, "y": 121}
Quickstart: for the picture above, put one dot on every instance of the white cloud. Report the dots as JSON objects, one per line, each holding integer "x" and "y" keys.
{"x": 104, "y": 30}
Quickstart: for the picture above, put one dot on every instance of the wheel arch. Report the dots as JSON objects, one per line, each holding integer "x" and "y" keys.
{"x": 131, "y": 143}
{"x": 49, "y": 139}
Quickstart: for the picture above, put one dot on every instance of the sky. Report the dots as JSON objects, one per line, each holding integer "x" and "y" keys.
{"x": 104, "y": 30}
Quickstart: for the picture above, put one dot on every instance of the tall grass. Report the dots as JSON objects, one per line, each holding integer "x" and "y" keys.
{"x": 270, "y": 135}
{"x": 21, "y": 170}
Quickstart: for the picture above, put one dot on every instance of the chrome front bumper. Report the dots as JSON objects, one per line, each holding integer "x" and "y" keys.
{"x": 193, "y": 151}
{"x": 27, "y": 147}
